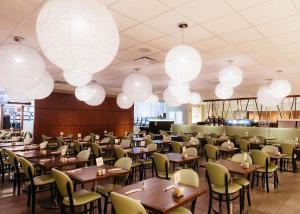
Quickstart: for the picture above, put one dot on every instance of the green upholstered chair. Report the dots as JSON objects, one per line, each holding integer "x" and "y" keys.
{"x": 270, "y": 148}
{"x": 266, "y": 170}
{"x": 176, "y": 147}
{"x": 43, "y": 145}
{"x": 106, "y": 189}
{"x": 148, "y": 137}
{"x": 218, "y": 178}
{"x": 125, "y": 143}
{"x": 148, "y": 141}
{"x": 120, "y": 153}
{"x": 4, "y": 164}
{"x": 45, "y": 138}
{"x": 105, "y": 140}
{"x": 211, "y": 152}
{"x": 244, "y": 145}
{"x": 237, "y": 138}
{"x": 14, "y": 162}
{"x": 162, "y": 166}
{"x": 35, "y": 182}
{"x": 97, "y": 151}
{"x": 70, "y": 198}
{"x": 185, "y": 138}
{"x": 211, "y": 140}
{"x": 78, "y": 146}
{"x": 60, "y": 141}
{"x": 241, "y": 180}
{"x": 124, "y": 204}
{"x": 111, "y": 139}
{"x": 262, "y": 139}
{"x": 62, "y": 147}
{"x": 191, "y": 151}
{"x": 87, "y": 138}
{"x": 289, "y": 149}
{"x": 148, "y": 161}
{"x": 84, "y": 154}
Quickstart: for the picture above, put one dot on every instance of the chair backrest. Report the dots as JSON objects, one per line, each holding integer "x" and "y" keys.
{"x": 270, "y": 148}
{"x": 43, "y": 145}
{"x": 152, "y": 146}
{"x": 211, "y": 152}
{"x": 44, "y": 137}
{"x": 216, "y": 174}
{"x": 160, "y": 162}
{"x": 167, "y": 138}
{"x": 124, "y": 163}
{"x": 194, "y": 140}
{"x": 28, "y": 141}
{"x": 211, "y": 140}
{"x": 97, "y": 150}
{"x": 87, "y": 138}
{"x": 105, "y": 140}
{"x": 61, "y": 181}
{"x": 148, "y": 141}
{"x": 13, "y": 159}
{"x": 63, "y": 147}
{"x": 260, "y": 157}
{"x": 262, "y": 139}
{"x": 288, "y": 148}
{"x": 78, "y": 146}
{"x": 120, "y": 153}
{"x": 125, "y": 143}
{"x": 60, "y": 141}
{"x": 148, "y": 136}
{"x": 185, "y": 138}
{"x": 191, "y": 151}
{"x": 84, "y": 154}
{"x": 176, "y": 147}
{"x": 27, "y": 166}
{"x": 121, "y": 203}
{"x": 225, "y": 144}
{"x": 188, "y": 177}
{"x": 240, "y": 158}
{"x": 244, "y": 145}
{"x": 237, "y": 138}
{"x": 111, "y": 139}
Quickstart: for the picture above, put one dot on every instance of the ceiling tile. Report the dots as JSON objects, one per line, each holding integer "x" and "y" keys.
{"x": 168, "y": 22}
{"x": 142, "y": 33}
{"x": 123, "y": 22}
{"x": 126, "y": 42}
{"x": 17, "y": 9}
{"x": 242, "y": 36}
{"x": 226, "y": 24}
{"x": 285, "y": 39}
{"x": 192, "y": 34}
{"x": 8, "y": 23}
{"x": 242, "y": 4}
{"x": 139, "y": 10}
{"x": 143, "y": 50}
{"x": 107, "y": 2}
{"x": 269, "y": 11}
{"x": 165, "y": 43}
{"x": 175, "y": 3}
{"x": 203, "y": 10}
{"x": 255, "y": 45}
{"x": 210, "y": 44}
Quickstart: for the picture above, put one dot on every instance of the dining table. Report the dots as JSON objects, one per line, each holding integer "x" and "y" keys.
{"x": 277, "y": 157}
{"x": 236, "y": 167}
{"x": 179, "y": 159}
{"x": 22, "y": 148}
{"x": 156, "y": 194}
{"x": 38, "y": 153}
{"x": 7, "y": 144}
{"x": 227, "y": 150}
{"x": 58, "y": 162}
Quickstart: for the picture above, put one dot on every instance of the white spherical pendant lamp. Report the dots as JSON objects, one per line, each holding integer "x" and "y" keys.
{"x": 124, "y": 102}
{"x": 77, "y": 78}
{"x": 195, "y": 98}
{"x": 280, "y": 88}
{"x": 231, "y": 76}
{"x": 138, "y": 87}
{"x": 265, "y": 97}
{"x": 171, "y": 100}
{"x": 77, "y": 34}
{"x": 43, "y": 89}
{"x": 98, "y": 95}
{"x": 21, "y": 67}
{"x": 17, "y": 96}
{"x": 83, "y": 93}
{"x": 223, "y": 92}
{"x": 177, "y": 88}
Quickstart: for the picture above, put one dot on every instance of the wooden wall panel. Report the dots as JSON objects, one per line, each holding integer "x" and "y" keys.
{"x": 63, "y": 112}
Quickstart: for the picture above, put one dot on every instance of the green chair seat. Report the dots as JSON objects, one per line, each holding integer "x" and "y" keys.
{"x": 180, "y": 210}
{"x": 135, "y": 164}
{"x": 146, "y": 162}
{"x": 163, "y": 174}
{"x": 232, "y": 188}
{"x": 43, "y": 180}
{"x": 242, "y": 181}
{"x": 105, "y": 189}
{"x": 271, "y": 168}
{"x": 82, "y": 197}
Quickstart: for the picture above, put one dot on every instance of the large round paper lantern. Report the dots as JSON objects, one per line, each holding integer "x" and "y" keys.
{"x": 177, "y": 88}
{"x": 231, "y": 76}
{"x": 77, "y": 78}
{"x": 223, "y": 92}
{"x": 123, "y": 101}
{"x": 265, "y": 97}
{"x": 17, "y": 96}
{"x": 280, "y": 88}
{"x": 43, "y": 89}
{"x": 171, "y": 100}
{"x": 183, "y": 63}
{"x": 77, "y": 35}
{"x": 153, "y": 98}
{"x": 138, "y": 87}
{"x": 185, "y": 98}
{"x": 98, "y": 95}
{"x": 83, "y": 93}
{"x": 21, "y": 68}
{"x": 195, "y": 98}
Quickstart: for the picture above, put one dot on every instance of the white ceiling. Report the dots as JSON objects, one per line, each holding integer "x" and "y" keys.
{"x": 260, "y": 36}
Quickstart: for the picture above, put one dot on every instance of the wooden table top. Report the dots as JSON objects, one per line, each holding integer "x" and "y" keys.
{"x": 22, "y": 148}
{"x": 139, "y": 150}
{"x": 137, "y": 139}
{"x": 12, "y": 144}
{"x": 236, "y": 167}
{"x": 276, "y": 156}
{"x": 38, "y": 153}
{"x": 112, "y": 147}
{"x": 153, "y": 197}
{"x": 227, "y": 150}
{"x": 158, "y": 141}
{"x": 177, "y": 158}
{"x": 89, "y": 174}
{"x": 58, "y": 162}
{"x": 7, "y": 140}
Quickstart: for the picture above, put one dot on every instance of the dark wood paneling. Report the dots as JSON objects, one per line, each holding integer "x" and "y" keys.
{"x": 63, "y": 112}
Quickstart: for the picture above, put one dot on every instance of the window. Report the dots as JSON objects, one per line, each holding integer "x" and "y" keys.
{"x": 176, "y": 116}
{"x": 195, "y": 115}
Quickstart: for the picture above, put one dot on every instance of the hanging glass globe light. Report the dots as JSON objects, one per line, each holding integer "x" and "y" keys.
{"x": 83, "y": 93}
{"x": 177, "y": 88}
{"x": 280, "y": 88}
{"x": 98, "y": 95}
{"x": 185, "y": 98}
{"x": 153, "y": 98}
{"x": 17, "y": 96}
{"x": 195, "y": 98}
{"x": 171, "y": 100}
{"x": 123, "y": 101}
{"x": 183, "y": 62}
{"x": 265, "y": 97}
{"x": 231, "y": 76}
{"x": 77, "y": 78}
{"x": 223, "y": 92}
{"x": 77, "y": 35}
{"x": 43, "y": 89}
{"x": 138, "y": 87}
{"x": 21, "y": 67}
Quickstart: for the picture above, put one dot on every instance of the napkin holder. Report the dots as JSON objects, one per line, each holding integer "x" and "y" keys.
{"x": 101, "y": 172}
{"x": 177, "y": 192}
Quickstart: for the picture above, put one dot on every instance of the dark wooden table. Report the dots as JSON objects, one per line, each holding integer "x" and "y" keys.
{"x": 153, "y": 197}
{"x": 12, "y": 144}
{"x": 38, "y": 153}
{"x": 22, "y": 148}
{"x": 6, "y": 140}
{"x": 228, "y": 151}
{"x": 57, "y": 162}
{"x": 139, "y": 151}
{"x": 178, "y": 159}
{"x": 235, "y": 167}
{"x": 276, "y": 158}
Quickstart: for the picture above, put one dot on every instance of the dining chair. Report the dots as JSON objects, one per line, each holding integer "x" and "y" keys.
{"x": 185, "y": 138}
{"x": 4, "y": 164}
{"x": 262, "y": 139}
{"x": 148, "y": 141}
{"x": 36, "y": 183}
{"x": 87, "y": 138}
{"x": 162, "y": 166}
{"x": 14, "y": 162}
{"x": 125, "y": 143}
{"x": 237, "y": 138}
{"x": 176, "y": 147}
{"x": 105, "y": 140}
{"x": 97, "y": 151}
{"x": 244, "y": 145}
{"x": 71, "y": 199}
{"x": 60, "y": 141}
{"x": 211, "y": 152}
{"x": 219, "y": 184}
{"x": 148, "y": 137}
{"x": 289, "y": 150}
{"x": 43, "y": 145}
{"x": 84, "y": 155}
{"x": 191, "y": 151}
{"x": 78, "y": 146}
{"x": 148, "y": 161}
{"x": 106, "y": 189}
{"x": 122, "y": 202}
{"x": 270, "y": 148}
{"x": 266, "y": 169}
{"x": 241, "y": 180}
{"x": 211, "y": 141}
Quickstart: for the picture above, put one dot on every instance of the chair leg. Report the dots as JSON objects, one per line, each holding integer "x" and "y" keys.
{"x": 241, "y": 200}
{"x": 99, "y": 206}
{"x": 227, "y": 203}
{"x": 220, "y": 203}
{"x": 248, "y": 196}
{"x": 267, "y": 182}
{"x": 91, "y": 207}
{"x": 105, "y": 204}
{"x": 19, "y": 184}
{"x": 193, "y": 205}
{"x": 85, "y": 208}
{"x": 15, "y": 183}
{"x": 33, "y": 198}
{"x": 210, "y": 203}
{"x": 28, "y": 196}
{"x": 252, "y": 183}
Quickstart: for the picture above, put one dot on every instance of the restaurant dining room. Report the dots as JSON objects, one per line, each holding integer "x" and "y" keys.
{"x": 149, "y": 106}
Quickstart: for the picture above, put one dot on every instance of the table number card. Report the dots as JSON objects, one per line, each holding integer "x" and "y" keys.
{"x": 99, "y": 161}
{"x": 117, "y": 141}
{"x": 97, "y": 137}
{"x": 177, "y": 178}
{"x": 143, "y": 143}
{"x": 183, "y": 149}
{"x": 63, "y": 152}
